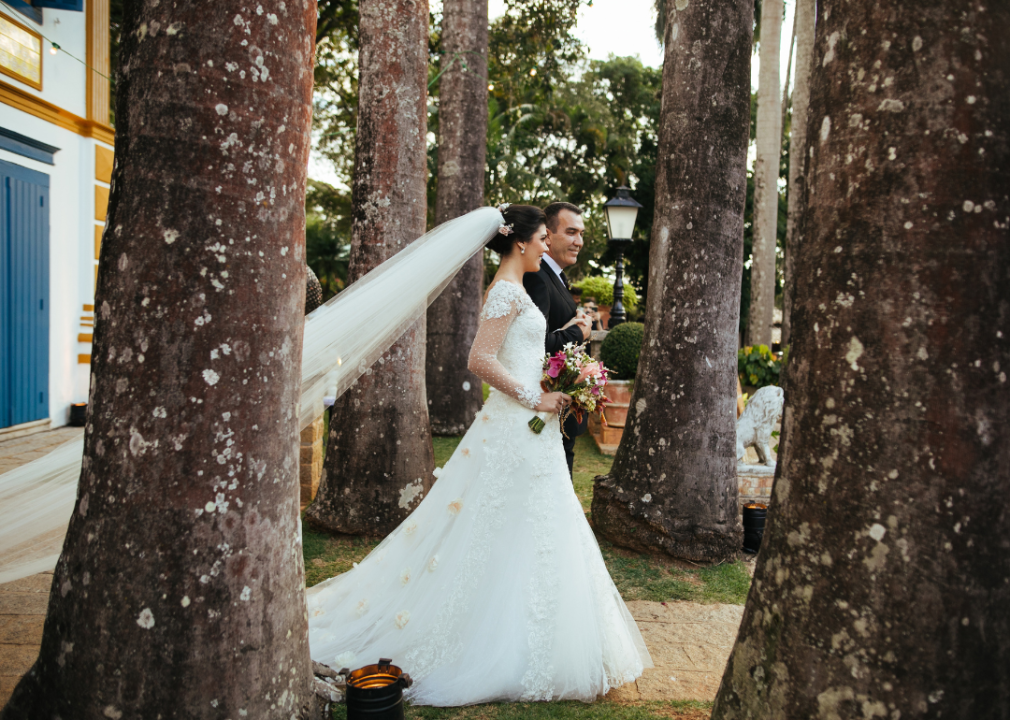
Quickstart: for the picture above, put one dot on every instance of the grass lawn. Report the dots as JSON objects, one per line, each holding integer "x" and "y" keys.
{"x": 683, "y": 710}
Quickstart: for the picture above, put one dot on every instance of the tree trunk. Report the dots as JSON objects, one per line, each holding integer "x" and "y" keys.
{"x": 179, "y": 590}
{"x": 673, "y": 484}
{"x": 766, "y": 176}
{"x": 454, "y": 393}
{"x": 379, "y": 457}
{"x": 882, "y": 587}
{"x": 804, "y": 24}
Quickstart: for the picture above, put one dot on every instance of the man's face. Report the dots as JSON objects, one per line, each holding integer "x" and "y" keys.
{"x": 566, "y": 240}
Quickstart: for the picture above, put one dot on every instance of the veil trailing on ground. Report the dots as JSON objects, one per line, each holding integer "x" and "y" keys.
{"x": 343, "y": 338}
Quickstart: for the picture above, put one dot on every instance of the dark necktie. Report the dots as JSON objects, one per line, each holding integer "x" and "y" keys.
{"x": 564, "y": 280}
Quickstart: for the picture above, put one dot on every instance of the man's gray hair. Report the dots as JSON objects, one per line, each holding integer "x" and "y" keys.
{"x": 553, "y": 210}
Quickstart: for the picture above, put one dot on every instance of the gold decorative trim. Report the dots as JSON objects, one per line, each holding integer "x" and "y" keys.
{"x": 81, "y": 337}
{"x": 10, "y": 71}
{"x": 97, "y": 54}
{"x": 103, "y": 164}
{"x": 101, "y": 202}
{"x": 83, "y": 359}
{"x": 88, "y": 308}
{"x": 28, "y": 103}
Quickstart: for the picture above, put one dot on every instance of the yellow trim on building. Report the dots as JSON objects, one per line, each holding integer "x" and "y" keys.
{"x": 97, "y": 54}
{"x": 81, "y": 337}
{"x": 26, "y": 102}
{"x": 103, "y": 164}
{"x": 84, "y": 359}
{"x": 88, "y": 308}
{"x": 98, "y": 241}
{"x": 101, "y": 202}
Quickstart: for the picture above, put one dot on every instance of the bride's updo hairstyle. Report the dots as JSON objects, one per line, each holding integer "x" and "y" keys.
{"x": 521, "y": 221}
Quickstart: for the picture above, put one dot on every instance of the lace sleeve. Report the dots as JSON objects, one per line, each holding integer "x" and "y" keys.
{"x": 500, "y": 310}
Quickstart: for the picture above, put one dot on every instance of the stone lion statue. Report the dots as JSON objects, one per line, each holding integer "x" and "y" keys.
{"x": 754, "y": 428}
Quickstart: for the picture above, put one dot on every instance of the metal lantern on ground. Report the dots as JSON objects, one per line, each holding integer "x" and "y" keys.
{"x": 375, "y": 692}
{"x": 621, "y": 212}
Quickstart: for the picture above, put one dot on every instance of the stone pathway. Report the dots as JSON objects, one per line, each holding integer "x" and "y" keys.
{"x": 690, "y": 645}
{"x": 23, "y": 602}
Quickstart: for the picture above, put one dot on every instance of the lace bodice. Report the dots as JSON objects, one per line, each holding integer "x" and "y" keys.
{"x": 508, "y": 351}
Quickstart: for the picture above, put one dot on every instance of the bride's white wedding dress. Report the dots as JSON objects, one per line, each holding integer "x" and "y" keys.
{"x": 494, "y": 587}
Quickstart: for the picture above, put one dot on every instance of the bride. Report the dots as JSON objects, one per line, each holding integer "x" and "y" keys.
{"x": 494, "y": 587}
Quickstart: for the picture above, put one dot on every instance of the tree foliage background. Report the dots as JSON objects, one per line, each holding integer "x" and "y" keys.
{"x": 560, "y": 127}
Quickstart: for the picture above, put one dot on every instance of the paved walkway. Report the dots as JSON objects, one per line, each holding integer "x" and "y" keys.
{"x": 23, "y": 602}
{"x": 689, "y": 643}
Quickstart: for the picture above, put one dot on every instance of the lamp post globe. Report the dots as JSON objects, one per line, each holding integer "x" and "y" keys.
{"x": 621, "y": 212}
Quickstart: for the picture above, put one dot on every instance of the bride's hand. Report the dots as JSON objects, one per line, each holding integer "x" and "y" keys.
{"x": 553, "y": 402}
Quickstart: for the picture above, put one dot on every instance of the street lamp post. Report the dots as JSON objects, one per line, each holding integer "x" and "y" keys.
{"x": 621, "y": 212}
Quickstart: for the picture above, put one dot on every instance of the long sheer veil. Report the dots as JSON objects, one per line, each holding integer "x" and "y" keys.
{"x": 343, "y": 338}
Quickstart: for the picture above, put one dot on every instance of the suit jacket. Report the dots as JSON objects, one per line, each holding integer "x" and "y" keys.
{"x": 555, "y": 302}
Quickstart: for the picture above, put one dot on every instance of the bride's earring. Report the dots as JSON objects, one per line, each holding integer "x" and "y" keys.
{"x": 522, "y": 249}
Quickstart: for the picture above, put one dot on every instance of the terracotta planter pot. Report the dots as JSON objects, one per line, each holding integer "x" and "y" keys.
{"x": 608, "y": 438}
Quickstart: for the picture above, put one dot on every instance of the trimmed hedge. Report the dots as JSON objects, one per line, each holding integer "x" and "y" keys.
{"x": 602, "y": 291}
{"x": 621, "y": 349}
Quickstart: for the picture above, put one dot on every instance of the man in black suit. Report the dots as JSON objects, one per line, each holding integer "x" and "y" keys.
{"x": 548, "y": 287}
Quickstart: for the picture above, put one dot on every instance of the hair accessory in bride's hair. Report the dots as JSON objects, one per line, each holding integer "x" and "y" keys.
{"x": 503, "y": 207}
{"x": 505, "y": 229}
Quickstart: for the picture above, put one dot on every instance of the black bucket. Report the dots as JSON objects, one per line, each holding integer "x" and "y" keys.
{"x": 754, "y": 516}
{"x": 78, "y": 414}
{"x": 375, "y": 692}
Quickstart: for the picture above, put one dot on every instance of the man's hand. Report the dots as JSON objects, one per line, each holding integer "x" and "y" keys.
{"x": 584, "y": 323}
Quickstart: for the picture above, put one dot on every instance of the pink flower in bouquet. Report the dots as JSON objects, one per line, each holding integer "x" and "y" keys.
{"x": 589, "y": 370}
{"x": 555, "y": 365}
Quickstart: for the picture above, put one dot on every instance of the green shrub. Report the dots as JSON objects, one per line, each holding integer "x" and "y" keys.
{"x": 602, "y": 291}
{"x": 621, "y": 348}
{"x": 758, "y": 366}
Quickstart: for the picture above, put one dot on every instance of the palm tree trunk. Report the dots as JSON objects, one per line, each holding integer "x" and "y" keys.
{"x": 882, "y": 585}
{"x": 673, "y": 487}
{"x": 179, "y": 590}
{"x": 454, "y": 393}
{"x": 766, "y": 175}
{"x": 379, "y": 449}
{"x": 804, "y": 30}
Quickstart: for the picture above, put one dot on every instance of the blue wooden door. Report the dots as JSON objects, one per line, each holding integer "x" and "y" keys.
{"x": 24, "y": 295}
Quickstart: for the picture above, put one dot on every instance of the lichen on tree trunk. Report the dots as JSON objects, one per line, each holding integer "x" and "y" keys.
{"x": 882, "y": 586}
{"x": 454, "y": 393}
{"x": 379, "y": 458}
{"x": 673, "y": 486}
{"x": 179, "y": 589}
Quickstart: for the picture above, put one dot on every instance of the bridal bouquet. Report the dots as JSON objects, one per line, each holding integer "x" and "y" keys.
{"x": 572, "y": 372}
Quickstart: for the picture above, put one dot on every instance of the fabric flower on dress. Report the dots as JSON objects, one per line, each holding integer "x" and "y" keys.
{"x": 455, "y": 506}
{"x": 465, "y": 452}
{"x": 361, "y": 608}
{"x": 409, "y": 528}
{"x": 318, "y": 611}
{"x": 405, "y": 576}
{"x": 345, "y": 660}
{"x": 433, "y": 563}
{"x": 402, "y": 618}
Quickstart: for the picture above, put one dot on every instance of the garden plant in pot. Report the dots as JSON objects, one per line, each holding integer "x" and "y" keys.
{"x": 619, "y": 352}
{"x": 601, "y": 290}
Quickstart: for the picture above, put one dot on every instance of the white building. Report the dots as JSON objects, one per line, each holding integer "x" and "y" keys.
{"x": 55, "y": 165}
